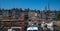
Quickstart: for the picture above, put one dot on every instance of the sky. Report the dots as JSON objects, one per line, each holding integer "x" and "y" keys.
{"x": 32, "y": 4}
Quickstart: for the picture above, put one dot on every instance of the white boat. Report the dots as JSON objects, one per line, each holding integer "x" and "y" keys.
{"x": 32, "y": 28}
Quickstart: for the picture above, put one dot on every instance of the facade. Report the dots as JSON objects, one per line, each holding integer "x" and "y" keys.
{"x": 16, "y": 14}
{"x": 18, "y": 17}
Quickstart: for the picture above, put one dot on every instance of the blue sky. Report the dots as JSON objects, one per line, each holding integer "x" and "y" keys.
{"x": 32, "y": 4}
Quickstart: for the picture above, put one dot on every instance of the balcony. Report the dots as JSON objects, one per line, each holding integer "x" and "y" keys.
{"x": 13, "y": 24}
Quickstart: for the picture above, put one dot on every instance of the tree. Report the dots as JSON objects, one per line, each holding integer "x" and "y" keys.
{"x": 58, "y": 16}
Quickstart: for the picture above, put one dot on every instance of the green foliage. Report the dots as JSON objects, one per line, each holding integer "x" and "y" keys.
{"x": 58, "y": 16}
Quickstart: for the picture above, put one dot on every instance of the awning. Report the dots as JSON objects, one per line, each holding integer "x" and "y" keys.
{"x": 40, "y": 18}
{"x": 21, "y": 19}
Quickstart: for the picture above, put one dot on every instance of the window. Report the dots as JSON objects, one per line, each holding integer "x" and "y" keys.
{"x": 17, "y": 23}
{"x": 54, "y": 18}
{"x": 10, "y": 13}
{"x": 26, "y": 17}
{"x": 7, "y": 24}
{"x": 17, "y": 14}
{"x": 0, "y": 12}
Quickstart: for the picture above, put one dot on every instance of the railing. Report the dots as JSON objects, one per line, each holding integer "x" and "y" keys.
{"x": 12, "y": 23}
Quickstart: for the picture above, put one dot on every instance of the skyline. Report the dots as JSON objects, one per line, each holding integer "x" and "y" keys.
{"x": 32, "y": 4}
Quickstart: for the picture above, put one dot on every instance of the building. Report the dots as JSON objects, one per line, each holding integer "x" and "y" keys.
{"x": 18, "y": 17}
